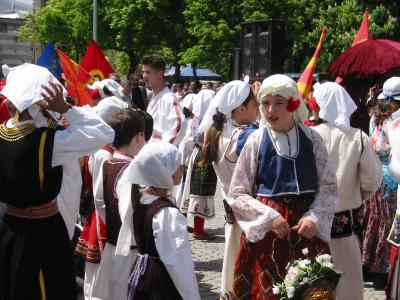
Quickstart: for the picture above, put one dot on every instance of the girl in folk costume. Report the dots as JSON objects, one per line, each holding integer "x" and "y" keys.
{"x": 359, "y": 175}
{"x": 200, "y": 182}
{"x": 380, "y": 209}
{"x": 164, "y": 268}
{"x": 93, "y": 237}
{"x": 283, "y": 193}
{"x": 112, "y": 278}
{"x": 30, "y": 267}
{"x": 393, "y": 286}
{"x": 233, "y": 106}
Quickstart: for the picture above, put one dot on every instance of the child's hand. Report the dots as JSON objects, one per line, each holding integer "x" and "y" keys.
{"x": 279, "y": 226}
{"x": 306, "y": 228}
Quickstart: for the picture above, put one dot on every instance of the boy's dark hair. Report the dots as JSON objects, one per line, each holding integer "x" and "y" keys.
{"x": 126, "y": 123}
{"x": 148, "y": 125}
{"x": 155, "y": 61}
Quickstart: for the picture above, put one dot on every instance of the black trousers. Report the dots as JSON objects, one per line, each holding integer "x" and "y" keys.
{"x": 28, "y": 247}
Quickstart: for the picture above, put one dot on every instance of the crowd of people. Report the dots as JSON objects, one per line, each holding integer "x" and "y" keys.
{"x": 294, "y": 175}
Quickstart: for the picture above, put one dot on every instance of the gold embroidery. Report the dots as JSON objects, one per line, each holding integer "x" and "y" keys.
{"x": 17, "y": 133}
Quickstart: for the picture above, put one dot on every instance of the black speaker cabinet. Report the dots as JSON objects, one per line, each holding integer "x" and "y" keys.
{"x": 262, "y": 47}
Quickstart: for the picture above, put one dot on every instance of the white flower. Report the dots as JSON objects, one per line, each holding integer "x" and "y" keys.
{"x": 306, "y": 280}
{"x": 290, "y": 292}
{"x": 293, "y": 272}
{"x": 303, "y": 263}
{"x": 275, "y": 290}
{"x": 323, "y": 258}
{"x": 305, "y": 251}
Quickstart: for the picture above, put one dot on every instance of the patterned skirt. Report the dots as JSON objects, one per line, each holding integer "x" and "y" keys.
{"x": 379, "y": 212}
{"x": 260, "y": 265}
{"x": 92, "y": 239}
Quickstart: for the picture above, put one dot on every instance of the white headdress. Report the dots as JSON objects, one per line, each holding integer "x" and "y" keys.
{"x": 202, "y": 102}
{"x": 229, "y": 97}
{"x": 286, "y": 87}
{"x": 114, "y": 87}
{"x": 153, "y": 166}
{"x": 24, "y": 85}
{"x": 336, "y": 105}
{"x": 108, "y": 106}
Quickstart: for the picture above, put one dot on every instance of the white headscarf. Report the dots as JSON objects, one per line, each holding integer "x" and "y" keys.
{"x": 24, "y": 86}
{"x": 286, "y": 87}
{"x": 154, "y": 166}
{"x": 114, "y": 87}
{"x": 108, "y": 106}
{"x": 202, "y": 102}
{"x": 336, "y": 106}
{"x": 229, "y": 97}
{"x": 188, "y": 101}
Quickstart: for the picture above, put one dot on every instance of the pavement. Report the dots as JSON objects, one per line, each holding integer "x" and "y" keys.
{"x": 208, "y": 256}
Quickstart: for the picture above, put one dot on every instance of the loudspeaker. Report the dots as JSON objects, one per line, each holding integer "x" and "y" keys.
{"x": 262, "y": 48}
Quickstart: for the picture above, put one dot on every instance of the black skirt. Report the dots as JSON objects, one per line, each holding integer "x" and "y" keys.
{"x": 203, "y": 181}
{"x": 31, "y": 247}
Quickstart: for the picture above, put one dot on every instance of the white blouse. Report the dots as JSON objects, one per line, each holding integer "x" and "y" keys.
{"x": 252, "y": 215}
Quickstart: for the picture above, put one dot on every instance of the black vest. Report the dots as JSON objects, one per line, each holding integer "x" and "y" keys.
{"x": 112, "y": 171}
{"x": 155, "y": 283}
{"x": 27, "y": 177}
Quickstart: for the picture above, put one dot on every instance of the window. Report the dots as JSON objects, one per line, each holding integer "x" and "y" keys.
{"x": 3, "y": 27}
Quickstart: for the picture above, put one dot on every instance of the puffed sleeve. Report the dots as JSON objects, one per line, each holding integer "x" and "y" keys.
{"x": 251, "y": 215}
{"x": 322, "y": 210}
{"x": 86, "y": 134}
{"x": 172, "y": 243}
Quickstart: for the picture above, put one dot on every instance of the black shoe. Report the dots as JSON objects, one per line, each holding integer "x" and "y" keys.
{"x": 367, "y": 275}
{"x": 379, "y": 281}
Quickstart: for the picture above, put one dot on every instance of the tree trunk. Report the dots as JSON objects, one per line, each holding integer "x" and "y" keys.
{"x": 132, "y": 63}
{"x": 177, "y": 73}
{"x": 194, "y": 66}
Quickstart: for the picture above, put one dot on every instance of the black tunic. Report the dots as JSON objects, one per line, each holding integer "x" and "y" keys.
{"x": 28, "y": 246}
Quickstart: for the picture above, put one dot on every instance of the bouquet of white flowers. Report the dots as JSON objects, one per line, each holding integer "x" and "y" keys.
{"x": 309, "y": 279}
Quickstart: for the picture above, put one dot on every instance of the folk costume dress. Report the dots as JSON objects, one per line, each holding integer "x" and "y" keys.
{"x": 112, "y": 278}
{"x": 200, "y": 182}
{"x": 31, "y": 265}
{"x": 287, "y": 174}
{"x": 359, "y": 175}
{"x": 380, "y": 209}
{"x": 164, "y": 268}
{"x": 93, "y": 238}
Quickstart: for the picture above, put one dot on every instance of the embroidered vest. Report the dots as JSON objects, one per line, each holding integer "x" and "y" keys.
{"x": 279, "y": 175}
{"x": 112, "y": 171}
{"x": 27, "y": 177}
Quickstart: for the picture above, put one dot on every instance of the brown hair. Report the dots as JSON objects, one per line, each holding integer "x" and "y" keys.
{"x": 384, "y": 109}
{"x": 155, "y": 61}
{"x": 136, "y": 194}
{"x": 209, "y": 151}
{"x": 126, "y": 123}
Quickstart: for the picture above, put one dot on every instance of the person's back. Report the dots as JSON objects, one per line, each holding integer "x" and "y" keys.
{"x": 354, "y": 162}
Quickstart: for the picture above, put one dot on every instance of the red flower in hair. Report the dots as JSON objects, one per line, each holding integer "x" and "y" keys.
{"x": 94, "y": 93}
{"x": 292, "y": 104}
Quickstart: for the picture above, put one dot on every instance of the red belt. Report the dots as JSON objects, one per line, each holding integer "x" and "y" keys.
{"x": 43, "y": 211}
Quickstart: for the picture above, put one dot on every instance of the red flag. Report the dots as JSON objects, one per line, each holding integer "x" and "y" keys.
{"x": 305, "y": 81}
{"x": 363, "y": 33}
{"x": 75, "y": 79}
{"x": 361, "y": 36}
{"x": 95, "y": 63}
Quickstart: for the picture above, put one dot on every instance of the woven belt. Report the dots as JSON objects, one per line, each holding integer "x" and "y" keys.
{"x": 43, "y": 211}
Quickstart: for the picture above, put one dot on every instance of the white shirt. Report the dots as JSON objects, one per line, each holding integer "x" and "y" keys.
{"x": 167, "y": 117}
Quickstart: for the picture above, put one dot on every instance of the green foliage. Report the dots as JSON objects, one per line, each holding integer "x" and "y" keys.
{"x": 204, "y": 32}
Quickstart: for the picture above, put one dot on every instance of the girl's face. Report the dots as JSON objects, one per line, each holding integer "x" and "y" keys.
{"x": 275, "y": 112}
{"x": 246, "y": 114}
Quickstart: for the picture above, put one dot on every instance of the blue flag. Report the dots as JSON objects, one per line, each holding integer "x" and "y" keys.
{"x": 49, "y": 59}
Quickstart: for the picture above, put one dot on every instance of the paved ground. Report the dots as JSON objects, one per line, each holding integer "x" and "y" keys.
{"x": 208, "y": 255}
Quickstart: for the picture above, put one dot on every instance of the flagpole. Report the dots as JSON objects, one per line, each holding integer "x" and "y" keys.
{"x": 95, "y": 20}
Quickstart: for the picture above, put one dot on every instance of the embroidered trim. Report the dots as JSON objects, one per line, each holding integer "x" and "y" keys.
{"x": 17, "y": 133}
